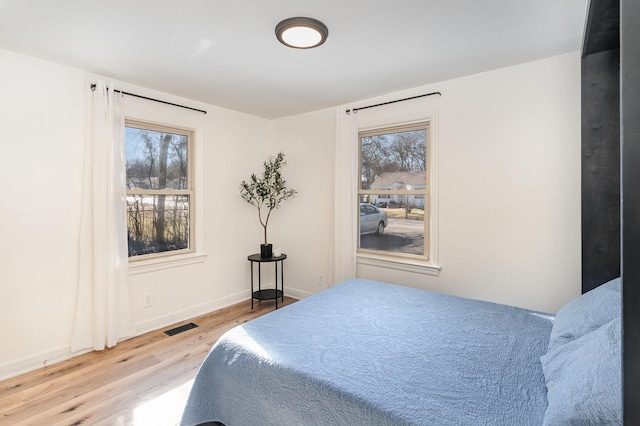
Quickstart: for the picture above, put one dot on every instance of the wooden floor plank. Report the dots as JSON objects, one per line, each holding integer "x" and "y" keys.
{"x": 63, "y": 388}
{"x": 127, "y": 385}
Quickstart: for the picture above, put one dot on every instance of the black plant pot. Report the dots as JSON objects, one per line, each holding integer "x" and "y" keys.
{"x": 266, "y": 250}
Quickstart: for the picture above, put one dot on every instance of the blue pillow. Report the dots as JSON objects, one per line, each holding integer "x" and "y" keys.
{"x": 586, "y": 313}
{"x": 584, "y": 379}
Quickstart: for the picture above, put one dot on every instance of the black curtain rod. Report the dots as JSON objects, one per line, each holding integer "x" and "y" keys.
{"x": 93, "y": 87}
{"x": 355, "y": 110}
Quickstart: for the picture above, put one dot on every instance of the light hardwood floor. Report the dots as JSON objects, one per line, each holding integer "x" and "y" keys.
{"x": 141, "y": 381}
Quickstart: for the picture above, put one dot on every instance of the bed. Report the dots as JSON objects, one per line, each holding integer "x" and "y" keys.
{"x": 372, "y": 353}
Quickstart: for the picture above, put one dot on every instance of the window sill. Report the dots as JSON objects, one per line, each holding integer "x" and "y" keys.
{"x": 398, "y": 264}
{"x": 156, "y": 264}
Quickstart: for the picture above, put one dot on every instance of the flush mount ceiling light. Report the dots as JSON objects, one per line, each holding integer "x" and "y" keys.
{"x": 301, "y": 33}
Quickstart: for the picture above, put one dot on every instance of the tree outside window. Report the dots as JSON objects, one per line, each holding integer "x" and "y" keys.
{"x": 159, "y": 189}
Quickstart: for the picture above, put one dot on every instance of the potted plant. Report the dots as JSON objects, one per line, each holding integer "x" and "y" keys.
{"x": 266, "y": 193}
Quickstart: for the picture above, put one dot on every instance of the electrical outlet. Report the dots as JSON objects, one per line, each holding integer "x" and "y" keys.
{"x": 320, "y": 280}
{"x": 148, "y": 300}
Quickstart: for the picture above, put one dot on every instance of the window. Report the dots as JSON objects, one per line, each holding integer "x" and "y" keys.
{"x": 159, "y": 189}
{"x": 394, "y": 191}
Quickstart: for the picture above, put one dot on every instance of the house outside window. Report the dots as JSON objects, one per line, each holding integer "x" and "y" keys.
{"x": 160, "y": 193}
{"x": 394, "y": 191}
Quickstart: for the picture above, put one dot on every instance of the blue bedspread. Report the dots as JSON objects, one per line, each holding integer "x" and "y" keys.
{"x": 369, "y": 353}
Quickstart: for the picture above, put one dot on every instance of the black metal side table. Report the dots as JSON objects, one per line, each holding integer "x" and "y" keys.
{"x": 271, "y": 293}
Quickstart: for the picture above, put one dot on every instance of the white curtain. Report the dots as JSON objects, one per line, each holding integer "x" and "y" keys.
{"x": 102, "y": 312}
{"x": 345, "y": 219}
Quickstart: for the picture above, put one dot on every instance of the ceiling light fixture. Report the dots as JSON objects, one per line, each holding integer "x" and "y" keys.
{"x": 301, "y": 33}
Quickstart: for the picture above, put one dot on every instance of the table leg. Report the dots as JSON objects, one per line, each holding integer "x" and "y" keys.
{"x": 276, "y": 284}
{"x": 282, "y": 278}
{"x": 260, "y": 281}
{"x": 252, "y": 285}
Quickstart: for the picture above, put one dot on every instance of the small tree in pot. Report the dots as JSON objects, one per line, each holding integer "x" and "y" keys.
{"x": 266, "y": 193}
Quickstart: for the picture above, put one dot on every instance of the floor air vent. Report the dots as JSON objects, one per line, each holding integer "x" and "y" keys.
{"x": 180, "y": 329}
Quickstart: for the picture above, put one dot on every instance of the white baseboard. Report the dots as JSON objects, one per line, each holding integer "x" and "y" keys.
{"x": 297, "y": 294}
{"x": 185, "y": 314}
{"x": 205, "y": 308}
{"x": 33, "y": 362}
{"x": 30, "y": 363}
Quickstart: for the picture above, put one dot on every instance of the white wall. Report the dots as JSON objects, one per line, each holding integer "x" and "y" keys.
{"x": 509, "y": 184}
{"x": 42, "y": 122}
{"x": 509, "y": 199}
{"x": 233, "y": 145}
{"x": 303, "y": 225}
{"x": 41, "y": 128}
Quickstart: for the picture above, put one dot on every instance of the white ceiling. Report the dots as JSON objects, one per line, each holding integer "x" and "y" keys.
{"x": 224, "y": 52}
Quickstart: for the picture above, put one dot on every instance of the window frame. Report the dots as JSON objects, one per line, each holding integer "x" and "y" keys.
{"x": 161, "y": 260}
{"x": 394, "y": 129}
{"x": 389, "y": 260}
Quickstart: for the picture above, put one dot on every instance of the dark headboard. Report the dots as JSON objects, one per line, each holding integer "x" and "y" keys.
{"x": 612, "y": 40}
{"x": 600, "y": 90}
{"x": 630, "y": 154}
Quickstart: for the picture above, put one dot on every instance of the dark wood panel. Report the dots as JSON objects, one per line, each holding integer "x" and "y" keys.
{"x": 630, "y": 117}
{"x": 600, "y": 168}
{"x": 603, "y": 27}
